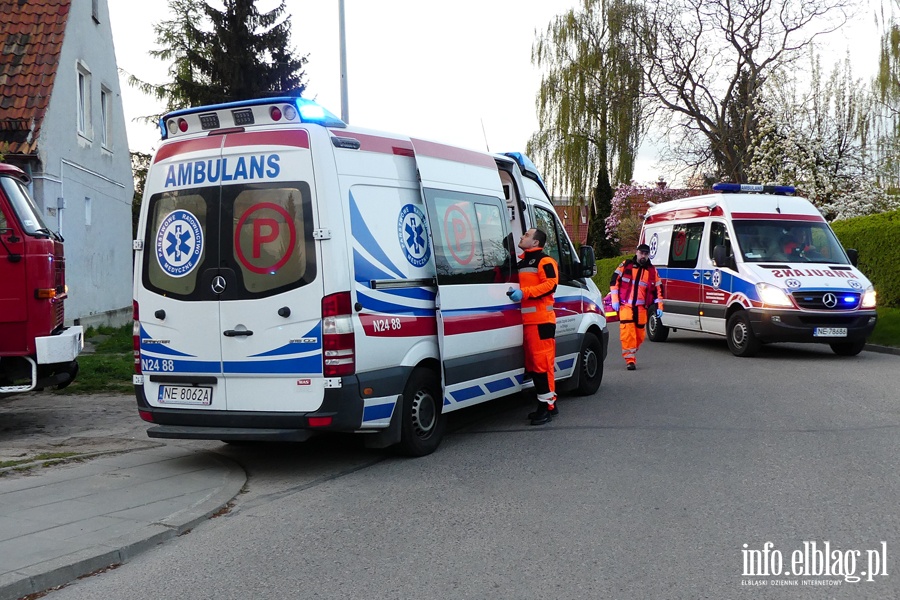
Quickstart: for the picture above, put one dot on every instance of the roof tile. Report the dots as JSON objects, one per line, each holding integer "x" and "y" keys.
{"x": 31, "y": 35}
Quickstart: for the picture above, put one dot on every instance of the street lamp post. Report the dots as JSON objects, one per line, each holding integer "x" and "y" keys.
{"x": 345, "y": 105}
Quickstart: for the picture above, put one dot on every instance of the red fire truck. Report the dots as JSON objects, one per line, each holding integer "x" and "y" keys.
{"x": 36, "y": 349}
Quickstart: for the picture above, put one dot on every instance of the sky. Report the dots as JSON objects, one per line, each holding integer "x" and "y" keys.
{"x": 458, "y": 71}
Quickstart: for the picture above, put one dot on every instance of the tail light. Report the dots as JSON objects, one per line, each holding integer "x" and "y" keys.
{"x": 337, "y": 335}
{"x": 136, "y": 338}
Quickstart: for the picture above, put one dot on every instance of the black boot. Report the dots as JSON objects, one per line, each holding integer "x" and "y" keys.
{"x": 553, "y": 411}
{"x": 541, "y": 415}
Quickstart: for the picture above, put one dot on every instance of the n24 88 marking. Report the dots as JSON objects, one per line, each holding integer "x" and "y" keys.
{"x": 386, "y": 324}
{"x": 157, "y": 365}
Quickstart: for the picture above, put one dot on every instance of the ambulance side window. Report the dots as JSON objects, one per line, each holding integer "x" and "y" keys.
{"x": 685, "y": 246}
{"x": 471, "y": 241}
{"x": 557, "y": 244}
{"x": 718, "y": 236}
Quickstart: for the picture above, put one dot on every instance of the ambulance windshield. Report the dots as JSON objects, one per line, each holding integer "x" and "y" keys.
{"x": 788, "y": 241}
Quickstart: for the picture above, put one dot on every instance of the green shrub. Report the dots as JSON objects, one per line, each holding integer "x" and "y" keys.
{"x": 605, "y": 268}
{"x": 877, "y": 238}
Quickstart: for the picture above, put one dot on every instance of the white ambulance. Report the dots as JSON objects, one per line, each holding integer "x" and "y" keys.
{"x": 756, "y": 265}
{"x": 294, "y": 275}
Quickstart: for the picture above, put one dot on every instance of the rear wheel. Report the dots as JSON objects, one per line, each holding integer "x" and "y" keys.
{"x": 422, "y": 424}
{"x": 656, "y": 331}
{"x": 590, "y": 365}
{"x": 741, "y": 340}
{"x": 848, "y": 348}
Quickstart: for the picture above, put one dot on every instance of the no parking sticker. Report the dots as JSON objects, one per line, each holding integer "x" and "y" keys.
{"x": 179, "y": 243}
{"x": 458, "y": 233}
{"x": 266, "y": 251}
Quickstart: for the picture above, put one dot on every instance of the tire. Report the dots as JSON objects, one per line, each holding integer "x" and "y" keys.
{"x": 422, "y": 422}
{"x": 656, "y": 331}
{"x": 590, "y": 366}
{"x": 848, "y": 348}
{"x": 741, "y": 340}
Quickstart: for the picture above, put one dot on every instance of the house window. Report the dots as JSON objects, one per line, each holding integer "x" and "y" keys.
{"x": 84, "y": 101}
{"x": 105, "y": 106}
{"x": 95, "y": 10}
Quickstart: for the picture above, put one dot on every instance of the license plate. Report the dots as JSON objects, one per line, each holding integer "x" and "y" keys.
{"x": 830, "y": 332}
{"x": 185, "y": 394}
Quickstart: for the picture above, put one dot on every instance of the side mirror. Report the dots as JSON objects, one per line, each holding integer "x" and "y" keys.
{"x": 588, "y": 261}
{"x": 721, "y": 259}
{"x": 853, "y": 255}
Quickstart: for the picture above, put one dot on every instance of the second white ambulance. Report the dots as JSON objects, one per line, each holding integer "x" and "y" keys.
{"x": 756, "y": 265}
{"x": 294, "y": 275}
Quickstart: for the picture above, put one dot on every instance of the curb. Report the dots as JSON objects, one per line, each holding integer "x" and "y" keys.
{"x": 882, "y": 349}
{"x": 62, "y": 571}
{"x": 27, "y": 466}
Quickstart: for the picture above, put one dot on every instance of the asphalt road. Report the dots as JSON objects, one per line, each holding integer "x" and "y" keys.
{"x": 650, "y": 489}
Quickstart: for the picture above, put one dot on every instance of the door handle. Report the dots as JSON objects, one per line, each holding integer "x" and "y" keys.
{"x": 236, "y": 333}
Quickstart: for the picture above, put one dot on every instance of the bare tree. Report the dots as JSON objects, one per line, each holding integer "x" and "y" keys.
{"x": 709, "y": 60}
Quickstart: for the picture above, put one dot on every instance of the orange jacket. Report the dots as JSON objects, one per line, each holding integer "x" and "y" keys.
{"x": 538, "y": 278}
{"x": 636, "y": 286}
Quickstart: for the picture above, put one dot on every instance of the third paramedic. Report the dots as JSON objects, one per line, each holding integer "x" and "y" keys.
{"x": 635, "y": 289}
{"x": 538, "y": 278}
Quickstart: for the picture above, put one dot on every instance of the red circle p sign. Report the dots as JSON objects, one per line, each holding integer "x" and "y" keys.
{"x": 271, "y": 241}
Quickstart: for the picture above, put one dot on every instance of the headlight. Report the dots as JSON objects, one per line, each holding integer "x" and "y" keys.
{"x": 868, "y": 300}
{"x": 772, "y": 295}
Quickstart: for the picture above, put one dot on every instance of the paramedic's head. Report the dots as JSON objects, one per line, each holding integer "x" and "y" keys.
{"x": 642, "y": 255}
{"x": 533, "y": 238}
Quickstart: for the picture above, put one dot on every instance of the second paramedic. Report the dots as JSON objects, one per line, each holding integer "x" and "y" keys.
{"x": 635, "y": 289}
{"x": 538, "y": 278}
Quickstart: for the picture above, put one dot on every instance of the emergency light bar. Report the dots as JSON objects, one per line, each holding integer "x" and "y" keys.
{"x": 258, "y": 112}
{"x": 733, "y": 188}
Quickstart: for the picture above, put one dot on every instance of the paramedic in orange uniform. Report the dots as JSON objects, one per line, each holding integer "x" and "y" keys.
{"x": 635, "y": 290}
{"x": 538, "y": 278}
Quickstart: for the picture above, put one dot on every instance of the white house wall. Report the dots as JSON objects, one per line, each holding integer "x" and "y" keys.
{"x": 94, "y": 181}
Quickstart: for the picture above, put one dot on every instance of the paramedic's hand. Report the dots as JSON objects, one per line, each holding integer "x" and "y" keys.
{"x": 615, "y": 305}
{"x": 659, "y": 313}
{"x": 515, "y": 296}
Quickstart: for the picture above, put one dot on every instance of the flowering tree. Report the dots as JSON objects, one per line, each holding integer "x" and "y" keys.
{"x": 817, "y": 138}
{"x": 629, "y": 203}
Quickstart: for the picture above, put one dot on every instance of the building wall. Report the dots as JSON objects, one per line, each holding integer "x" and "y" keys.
{"x": 94, "y": 180}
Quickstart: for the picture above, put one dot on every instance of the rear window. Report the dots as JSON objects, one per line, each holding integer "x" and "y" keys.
{"x": 258, "y": 237}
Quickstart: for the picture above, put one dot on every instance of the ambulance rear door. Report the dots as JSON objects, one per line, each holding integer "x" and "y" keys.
{"x": 270, "y": 266}
{"x": 479, "y": 328}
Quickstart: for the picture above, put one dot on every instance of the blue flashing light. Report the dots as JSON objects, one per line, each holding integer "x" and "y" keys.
{"x": 849, "y": 299}
{"x": 733, "y": 188}
{"x": 309, "y": 111}
{"x": 526, "y": 166}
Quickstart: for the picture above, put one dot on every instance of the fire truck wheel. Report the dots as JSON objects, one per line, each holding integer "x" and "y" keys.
{"x": 741, "y": 340}
{"x": 422, "y": 425}
{"x": 590, "y": 365}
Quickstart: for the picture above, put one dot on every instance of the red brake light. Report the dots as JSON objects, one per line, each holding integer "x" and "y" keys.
{"x": 319, "y": 421}
{"x": 275, "y": 113}
{"x": 338, "y": 343}
{"x": 182, "y": 125}
{"x": 146, "y": 415}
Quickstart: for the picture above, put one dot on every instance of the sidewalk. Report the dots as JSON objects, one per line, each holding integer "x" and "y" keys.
{"x": 73, "y": 520}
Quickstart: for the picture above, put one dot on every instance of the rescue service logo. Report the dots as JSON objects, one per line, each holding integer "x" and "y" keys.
{"x": 812, "y": 564}
{"x": 179, "y": 243}
{"x": 411, "y": 230}
{"x": 654, "y": 244}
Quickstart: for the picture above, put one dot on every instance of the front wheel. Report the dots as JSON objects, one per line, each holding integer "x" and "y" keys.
{"x": 590, "y": 365}
{"x": 848, "y": 348}
{"x": 656, "y": 331}
{"x": 422, "y": 424}
{"x": 741, "y": 340}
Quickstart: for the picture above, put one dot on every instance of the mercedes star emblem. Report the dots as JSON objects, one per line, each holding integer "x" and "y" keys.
{"x": 218, "y": 284}
{"x": 829, "y": 300}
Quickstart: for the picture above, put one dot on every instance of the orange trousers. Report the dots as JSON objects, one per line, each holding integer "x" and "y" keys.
{"x": 631, "y": 337}
{"x": 540, "y": 358}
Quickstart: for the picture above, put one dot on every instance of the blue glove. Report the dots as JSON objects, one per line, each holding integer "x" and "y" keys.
{"x": 516, "y": 296}
{"x": 659, "y": 313}
{"x": 615, "y": 305}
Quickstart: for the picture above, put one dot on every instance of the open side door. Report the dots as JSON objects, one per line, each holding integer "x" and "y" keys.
{"x": 479, "y": 328}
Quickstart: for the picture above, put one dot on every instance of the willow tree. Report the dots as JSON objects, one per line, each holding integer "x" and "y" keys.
{"x": 590, "y": 105}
